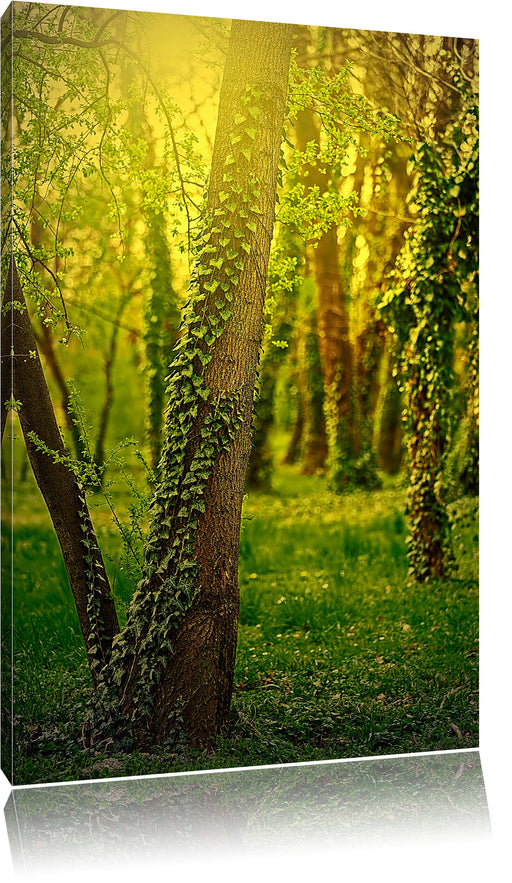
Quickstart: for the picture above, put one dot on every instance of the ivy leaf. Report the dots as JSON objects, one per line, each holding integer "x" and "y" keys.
{"x": 204, "y": 358}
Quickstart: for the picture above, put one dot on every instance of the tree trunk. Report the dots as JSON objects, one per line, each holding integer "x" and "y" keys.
{"x": 314, "y": 436}
{"x": 259, "y": 472}
{"x": 368, "y": 353}
{"x": 261, "y": 465}
{"x": 388, "y": 422}
{"x": 24, "y": 380}
{"x": 333, "y": 325}
{"x": 46, "y": 346}
{"x": 161, "y": 320}
{"x": 108, "y": 401}
{"x": 174, "y": 661}
{"x": 296, "y": 405}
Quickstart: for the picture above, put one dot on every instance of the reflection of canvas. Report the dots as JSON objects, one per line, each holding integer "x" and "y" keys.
{"x": 240, "y": 393}
{"x": 374, "y": 803}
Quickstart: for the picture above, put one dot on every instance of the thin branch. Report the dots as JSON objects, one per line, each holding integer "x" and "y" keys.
{"x": 400, "y": 218}
{"x": 96, "y": 43}
{"x": 36, "y": 260}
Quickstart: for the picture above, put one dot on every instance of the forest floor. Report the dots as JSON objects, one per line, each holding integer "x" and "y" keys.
{"x": 338, "y": 655}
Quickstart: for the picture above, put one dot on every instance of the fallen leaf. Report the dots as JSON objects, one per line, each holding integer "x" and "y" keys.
{"x": 456, "y": 730}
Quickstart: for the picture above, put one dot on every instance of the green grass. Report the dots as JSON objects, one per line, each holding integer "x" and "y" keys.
{"x": 338, "y": 656}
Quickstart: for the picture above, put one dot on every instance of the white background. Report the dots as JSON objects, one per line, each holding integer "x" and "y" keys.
{"x": 488, "y": 22}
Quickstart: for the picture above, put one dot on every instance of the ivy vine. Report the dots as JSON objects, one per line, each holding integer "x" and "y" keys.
{"x": 199, "y": 426}
{"x": 432, "y": 285}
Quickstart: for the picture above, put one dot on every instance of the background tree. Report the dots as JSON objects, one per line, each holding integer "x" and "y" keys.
{"x": 435, "y": 273}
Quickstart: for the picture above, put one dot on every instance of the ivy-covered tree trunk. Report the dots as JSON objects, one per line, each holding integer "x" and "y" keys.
{"x": 462, "y": 462}
{"x": 24, "y": 380}
{"x": 173, "y": 664}
{"x": 435, "y": 273}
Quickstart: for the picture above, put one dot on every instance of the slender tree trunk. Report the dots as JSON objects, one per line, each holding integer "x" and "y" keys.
{"x": 161, "y": 320}
{"x": 23, "y": 379}
{"x": 108, "y": 401}
{"x": 261, "y": 465}
{"x": 259, "y": 472}
{"x": 176, "y": 656}
{"x": 368, "y": 353}
{"x": 293, "y": 389}
{"x": 46, "y": 346}
{"x": 314, "y": 435}
{"x": 294, "y": 445}
{"x": 333, "y": 326}
{"x": 388, "y": 423}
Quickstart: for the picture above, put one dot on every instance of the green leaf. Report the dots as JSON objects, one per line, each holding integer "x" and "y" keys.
{"x": 204, "y": 358}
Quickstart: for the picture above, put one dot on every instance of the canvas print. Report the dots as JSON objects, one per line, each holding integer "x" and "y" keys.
{"x": 239, "y": 393}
